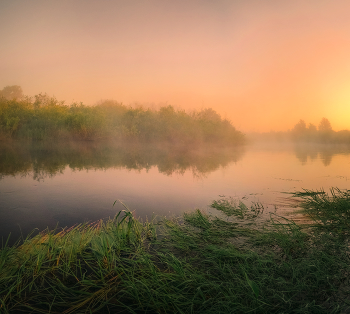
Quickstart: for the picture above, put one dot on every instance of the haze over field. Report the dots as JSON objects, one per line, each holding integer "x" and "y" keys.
{"x": 262, "y": 64}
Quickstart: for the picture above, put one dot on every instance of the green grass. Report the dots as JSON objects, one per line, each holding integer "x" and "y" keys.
{"x": 46, "y": 118}
{"x": 200, "y": 263}
{"x": 330, "y": 212}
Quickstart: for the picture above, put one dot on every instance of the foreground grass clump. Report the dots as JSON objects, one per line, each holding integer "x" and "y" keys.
{"x": 46, "y": 118}
{"x": 199, "y": 264}
{"x": 330, "y": 212}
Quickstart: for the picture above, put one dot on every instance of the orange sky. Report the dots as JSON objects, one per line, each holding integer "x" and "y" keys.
{"x": 264, "y": 64}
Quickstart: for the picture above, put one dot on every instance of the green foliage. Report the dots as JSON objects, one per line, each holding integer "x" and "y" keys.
{"x": 329, "y": 211}
{"x": 199, "y": 264}
{"x": 47, "y": 118}
{"x": 231, "y": 207}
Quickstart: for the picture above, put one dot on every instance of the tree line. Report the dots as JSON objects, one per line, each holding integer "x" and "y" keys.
{"x": 307, "y": 133}
{"x": 323, "y": 133}
{"x": 43, "y": 117}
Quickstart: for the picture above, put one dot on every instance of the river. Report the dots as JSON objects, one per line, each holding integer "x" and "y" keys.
{"x": 47, "y": 185}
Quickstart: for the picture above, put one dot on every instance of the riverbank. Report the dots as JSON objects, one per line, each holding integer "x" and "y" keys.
{"x": 46, "y": 118}
{"x": 226, "y": 262}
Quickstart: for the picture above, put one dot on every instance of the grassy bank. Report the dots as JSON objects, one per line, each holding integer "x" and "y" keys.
{"x": 46, "y": 118}
{"x": 228, "y": 262}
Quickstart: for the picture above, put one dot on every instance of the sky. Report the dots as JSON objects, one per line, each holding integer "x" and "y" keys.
{"x": 262, "y": 64}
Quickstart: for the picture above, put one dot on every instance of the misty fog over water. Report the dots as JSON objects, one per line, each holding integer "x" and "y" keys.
{"x": 63, "y": 184}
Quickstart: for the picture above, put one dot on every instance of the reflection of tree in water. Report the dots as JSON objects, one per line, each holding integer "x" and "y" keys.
{"x": 323, "y": 151}
{"x": 46, "y": 160}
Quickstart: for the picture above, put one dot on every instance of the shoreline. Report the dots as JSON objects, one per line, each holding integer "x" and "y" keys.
{"x": 196, "y": 264}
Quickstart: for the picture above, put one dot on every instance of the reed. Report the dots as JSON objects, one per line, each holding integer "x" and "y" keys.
{"x": 198, "y": 263}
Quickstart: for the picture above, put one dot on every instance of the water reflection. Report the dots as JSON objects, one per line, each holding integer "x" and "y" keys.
{"x": 257, "y": 173}
{"x": 324, "y": 152}
{"x": 43, "y": 160}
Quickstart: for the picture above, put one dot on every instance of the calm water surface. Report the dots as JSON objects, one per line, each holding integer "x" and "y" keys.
{"x": 45, "y": 185}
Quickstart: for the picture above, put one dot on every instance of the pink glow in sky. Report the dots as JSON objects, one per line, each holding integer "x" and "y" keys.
{"x": 263, "y": 64}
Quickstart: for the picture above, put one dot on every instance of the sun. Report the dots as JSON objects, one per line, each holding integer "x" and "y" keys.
{"x": 337, "y": 108}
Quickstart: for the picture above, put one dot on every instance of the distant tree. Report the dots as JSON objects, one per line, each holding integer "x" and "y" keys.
{"x": 300, "y": 126}
{"x": 325, "y": 126}
{"x": 343, "y": 136}
{"x": 312, "y": 132}
{"x": 325, "y": 131}
{"x": 312, "y": 128}
{"x": 299, "y": 131}
{"x": 209, "y": 114}
{"x": 12, "y": 92}
{"x": 167, "y": 111}
{"x": 42, "y": 100}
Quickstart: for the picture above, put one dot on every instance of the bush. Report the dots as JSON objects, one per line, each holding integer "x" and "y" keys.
{"x": 47, "y": 118}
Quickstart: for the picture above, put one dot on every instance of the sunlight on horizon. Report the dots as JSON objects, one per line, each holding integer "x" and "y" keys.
{"x": 262, "y": 64}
